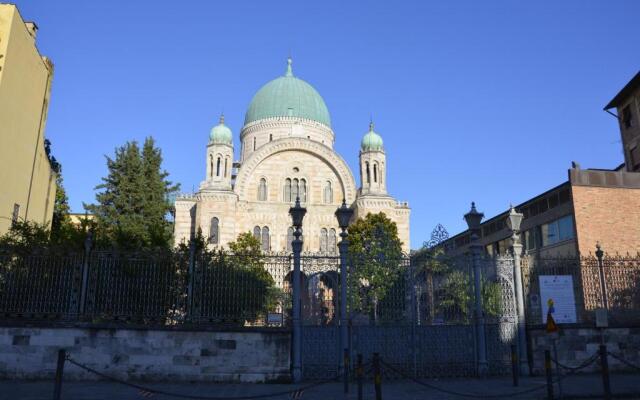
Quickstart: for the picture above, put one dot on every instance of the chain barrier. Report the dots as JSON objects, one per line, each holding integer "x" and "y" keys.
{"x": 584, "y": 364}
{"x": 625, "y": 362}
{"x": 454, "y": 393}
{"x": 148, "y": 390}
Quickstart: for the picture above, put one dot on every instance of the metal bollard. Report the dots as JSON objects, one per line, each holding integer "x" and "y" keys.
{"x": 377, "y": 376}
{"x": 57, "y": 388}
{"x": 604, "y": 367}
{"x": 359, "y": 375}
{"x": 346, "y": 370}
{"x": 514, "y": 364}
{"x": 548, "y": 372}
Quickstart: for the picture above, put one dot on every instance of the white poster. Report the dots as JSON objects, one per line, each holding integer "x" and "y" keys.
{"x": 557, "y": 291}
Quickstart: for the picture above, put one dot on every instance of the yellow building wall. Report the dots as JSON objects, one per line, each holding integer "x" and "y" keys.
{"x": 26, "y": 177}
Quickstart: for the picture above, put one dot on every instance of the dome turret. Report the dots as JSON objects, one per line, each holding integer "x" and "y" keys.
{"x": 371, "y": 140}
{"x": 221, "y": 134}
{"x": 288, "y": 96}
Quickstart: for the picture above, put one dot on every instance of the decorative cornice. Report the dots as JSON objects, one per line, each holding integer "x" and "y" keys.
{"x": 280, "y": 122}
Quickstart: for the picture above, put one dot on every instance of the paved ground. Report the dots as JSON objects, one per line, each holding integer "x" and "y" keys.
{"x": 576, "y": 387}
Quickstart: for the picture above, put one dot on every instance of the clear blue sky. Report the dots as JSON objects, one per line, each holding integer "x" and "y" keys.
{"x": 479, "y": 100}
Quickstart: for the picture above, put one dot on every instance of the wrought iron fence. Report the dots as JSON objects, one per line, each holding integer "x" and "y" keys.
{"x": 143, "y": 289}
{"x": 611, "y": 282}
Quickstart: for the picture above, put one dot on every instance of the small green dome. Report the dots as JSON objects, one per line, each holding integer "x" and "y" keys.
{"x": 288, "y": 96}
{"x": 371, "y": 141}
{"x": 221, "y": 133}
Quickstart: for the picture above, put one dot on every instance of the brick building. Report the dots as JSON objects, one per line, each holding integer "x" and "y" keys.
{"x": 592, "y": 206}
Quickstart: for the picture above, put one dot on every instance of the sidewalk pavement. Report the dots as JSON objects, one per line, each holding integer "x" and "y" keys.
{"x": 574, "y": 387}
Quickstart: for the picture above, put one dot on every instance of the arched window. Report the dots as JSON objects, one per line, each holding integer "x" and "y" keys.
{"x": 303, "y": 191}
{"x": 323, "y": 240}
{"x": 214, "y": 233}
{"x": 328, "y": 193}
{"x": 210, "y": 166}
{"x": 368, "y": 173}
{"x": 218, "y": 167}
{"x": 287, "y": 190}
{"x": 262, "y": 190}
{"x": 225, "y": 167}
{"x": 289, "y": 238}
{"x": 256, "y": 232}
{"x": 295, "y": 190}
{"x": 270, "y": 137}
{"x": 375, "y": 172}
{"x": 265, "y": 238}
{"x": 331, "y": 243}
{"x": 254, "y": 143}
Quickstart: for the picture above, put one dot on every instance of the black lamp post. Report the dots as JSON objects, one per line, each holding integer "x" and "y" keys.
{"x": 297, "y": 213}
{"x": 344, "y": 215}
{"x": 473, "y": 219}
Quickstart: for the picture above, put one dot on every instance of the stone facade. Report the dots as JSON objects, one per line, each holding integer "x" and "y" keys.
{"x": 283, "y": 156}
{"x": 148, "y": 355}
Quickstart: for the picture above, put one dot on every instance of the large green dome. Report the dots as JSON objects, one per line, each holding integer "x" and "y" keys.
{"x": 288, "y": 96}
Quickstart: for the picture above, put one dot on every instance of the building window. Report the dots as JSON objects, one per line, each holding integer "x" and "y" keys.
{"x": 218, "y": 167}
{"x": 557, "y": 231}
{"x": 265, "y": 239}
{"x": 256, "y": 232}
{"x": 214, "y": 234}
{"x": 375, "y": 172}
{"x": 254, "y": 143}
{"x": 16, "y": 213}
{"x": 211, "y": 166}
{"x": 634, "y": 157}
{"x": 368, "y": 173}
{"x": 328, "y": 193}
{"x": 271, "y": 137}
{"x": 287, "y": 190}
{"x": 295, "y": 189}
{"x": 303, "y": 191}
{"x": 323, "y": 240}
{"x": 225, "y": 167}
{"x": 332, "y": 241}
{"x": 627, "y": 117}
{"x": 262, "y": 190}
{"x": 289, "y": 238}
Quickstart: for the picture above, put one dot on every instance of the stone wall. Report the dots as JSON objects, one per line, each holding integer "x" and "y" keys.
{"x": 147, "y": 355}
{"x": 576, "y": 345}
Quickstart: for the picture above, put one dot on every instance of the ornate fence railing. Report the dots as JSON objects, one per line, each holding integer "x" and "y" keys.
{"x": 611, "y": 282}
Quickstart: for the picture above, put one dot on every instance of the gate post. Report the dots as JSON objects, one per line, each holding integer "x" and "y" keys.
{"x": 513, "y": 221}
{"x": 297, "y": 214}
{"x": 473, "y": 219}
{"x": 344, "y": 214}
{"x": 88, "y": 241}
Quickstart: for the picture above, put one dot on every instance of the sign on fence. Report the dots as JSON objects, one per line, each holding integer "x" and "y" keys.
{"x": 558, "y": 289}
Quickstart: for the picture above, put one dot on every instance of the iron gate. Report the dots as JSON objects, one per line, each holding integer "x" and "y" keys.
{"x": 423, "y": 323}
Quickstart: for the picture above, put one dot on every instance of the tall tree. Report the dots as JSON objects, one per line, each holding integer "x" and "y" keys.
{"x": 157, "y": 204}
{"x": 133, "y": 202}
{"x": 377, "y": 260}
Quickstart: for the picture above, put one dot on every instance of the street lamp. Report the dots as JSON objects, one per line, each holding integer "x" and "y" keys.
{"x": 344, "y": 215}
{"x": 297, "y": 215}
{"x": 513, "y": 221}
{"x": 473, "y": 219}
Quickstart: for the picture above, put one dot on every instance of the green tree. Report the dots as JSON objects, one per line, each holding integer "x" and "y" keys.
{"x": 377, "y": 265}
{"x": 133, "y": 203}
